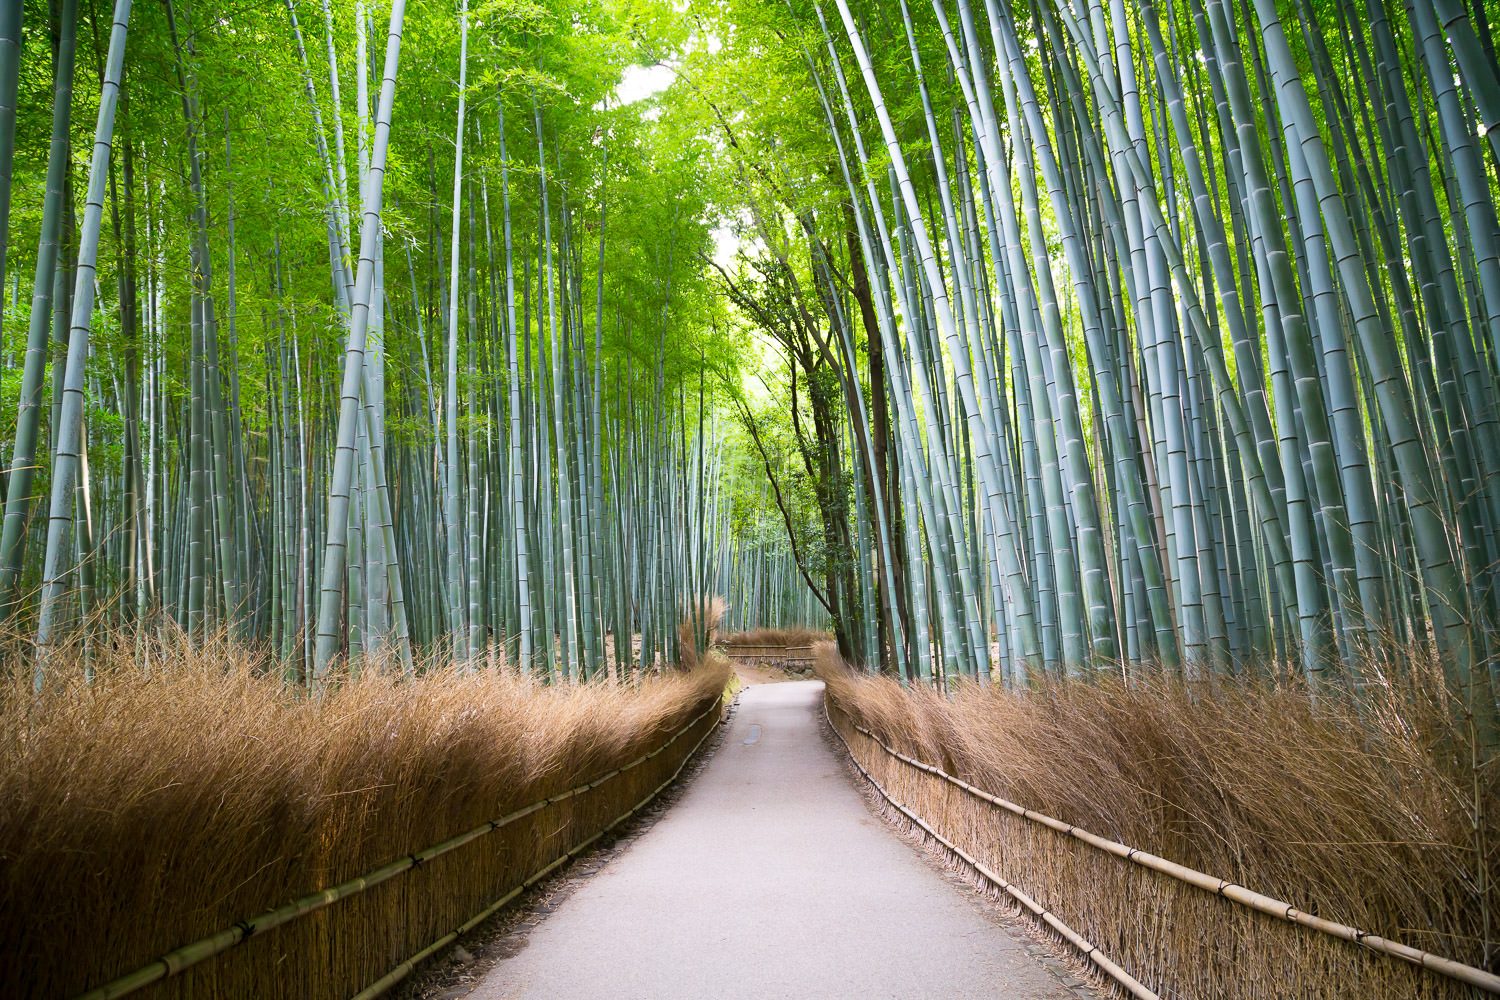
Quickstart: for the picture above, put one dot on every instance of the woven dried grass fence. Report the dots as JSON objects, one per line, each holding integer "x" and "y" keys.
{"x": 362, "y": 937}
{"x": 1152, "y": 931}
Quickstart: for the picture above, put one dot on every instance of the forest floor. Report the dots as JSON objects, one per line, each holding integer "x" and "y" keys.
{"x": 771, "y": 877}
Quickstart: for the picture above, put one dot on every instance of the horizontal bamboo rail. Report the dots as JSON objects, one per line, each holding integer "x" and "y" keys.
{"x": 771, "y": 652}
{"x": 1232, "y": 891}
{"x": 739, "y": 647}
{"x": 205, "y": 948}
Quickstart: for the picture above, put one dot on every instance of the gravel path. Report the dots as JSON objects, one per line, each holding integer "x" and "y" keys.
{"x": 771, "y": 878}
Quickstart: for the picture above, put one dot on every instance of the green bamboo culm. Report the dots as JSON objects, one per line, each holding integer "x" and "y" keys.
{"x": 66, "y": 456}
{"x": 28, "y": 414}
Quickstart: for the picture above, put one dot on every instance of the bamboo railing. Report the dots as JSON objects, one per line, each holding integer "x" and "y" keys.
{"x": 189, "y": 955}
{"x": 1223, "y": 888}
{"x": 770, "y": 653}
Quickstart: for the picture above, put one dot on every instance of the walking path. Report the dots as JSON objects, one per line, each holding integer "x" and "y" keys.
{"x": 770, "y": 878}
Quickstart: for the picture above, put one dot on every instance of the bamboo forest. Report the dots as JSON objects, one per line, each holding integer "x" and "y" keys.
{"x": 479, "y": 472}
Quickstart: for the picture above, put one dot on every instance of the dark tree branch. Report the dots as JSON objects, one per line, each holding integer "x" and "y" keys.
{"x": 786, "y": 515}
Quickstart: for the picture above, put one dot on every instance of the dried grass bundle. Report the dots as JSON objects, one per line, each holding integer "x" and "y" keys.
{"x": 146, "y": 810}
{"x": 774, "y": 637}
{"x": 701, "y": 621}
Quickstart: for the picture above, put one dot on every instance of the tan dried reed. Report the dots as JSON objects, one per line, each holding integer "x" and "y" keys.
{"x": 144, "y": 811}
{"x": 774, "y": 637}
{"x": 705, "y": 622}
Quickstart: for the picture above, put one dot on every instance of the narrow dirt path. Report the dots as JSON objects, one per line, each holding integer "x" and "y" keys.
{"x": 771, "y": 878}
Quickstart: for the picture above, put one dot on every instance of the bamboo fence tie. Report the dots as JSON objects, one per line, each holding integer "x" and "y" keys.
{"x": 1090, "y": 952}
{"x": 1469, "y": 974}
{"x": 205, "y": 948}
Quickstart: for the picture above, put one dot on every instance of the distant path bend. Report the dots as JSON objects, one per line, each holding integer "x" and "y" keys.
{"x": 770, "y": 878}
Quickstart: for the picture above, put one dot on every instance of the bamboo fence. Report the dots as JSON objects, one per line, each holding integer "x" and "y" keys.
{"x": 386, "y": 925}
{"x": 1156, "y": 928}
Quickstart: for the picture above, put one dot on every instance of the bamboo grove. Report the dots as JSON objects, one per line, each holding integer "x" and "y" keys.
{"x": 1102, "y": 336}
{"x": 1186, "y": 317}
{"x": 375, "y": 338}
